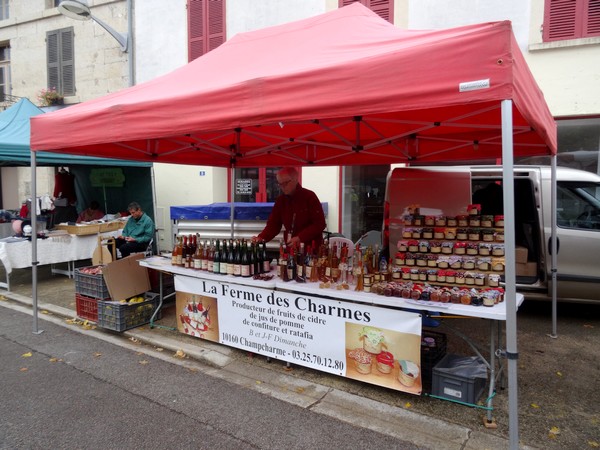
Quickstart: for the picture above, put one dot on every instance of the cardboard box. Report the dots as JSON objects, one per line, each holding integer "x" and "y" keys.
{"x": 111, "y": 226}
{"x": 79, "y": 230}
{"x": 126, "y": 278}
{"x": 528, "y": 269}
{"x": 521, "y": 254}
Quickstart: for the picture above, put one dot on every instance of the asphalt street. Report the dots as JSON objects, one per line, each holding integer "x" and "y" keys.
{"x": 64, "y": 390}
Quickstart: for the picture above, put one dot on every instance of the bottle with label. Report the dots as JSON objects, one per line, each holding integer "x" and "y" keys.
{"x": 255, "y": 263}
{"x": 217, "y": 258}
{"x": 290, "y": 266}
{"x": 245, "y": 269}
{"x": 266, "y": 268}
{"x": 197, "y": 259}
{"x": 300, "y": 269}
{"x": 205, "y": 252}
{"x": 209, "y": 256}
{"x": 223, "y": 267}
{"x": 237, "y": 259}
{"x": 308, "y": 262}
{"x": 175, "y": 252}
{"x": 335, "y": 264}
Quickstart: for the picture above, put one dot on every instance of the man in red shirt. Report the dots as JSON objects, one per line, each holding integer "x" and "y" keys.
{"x": 298, "y": 210}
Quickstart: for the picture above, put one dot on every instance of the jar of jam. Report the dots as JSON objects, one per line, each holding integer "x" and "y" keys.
{"x": 445, "y": 296}
{"x": 451, "y": 221}
{"x": 415, "y": 294}
{"x": 454, "y": 297}
{"x": 465, "y": 298}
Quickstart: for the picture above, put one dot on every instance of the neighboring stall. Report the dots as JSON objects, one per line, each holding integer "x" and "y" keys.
{"x": 341, "y": 88}
{"x": 131, "y": 177}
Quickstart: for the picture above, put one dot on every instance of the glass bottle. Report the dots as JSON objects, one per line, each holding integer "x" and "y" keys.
{"x": 209, "y": 257}
{"x": 290, "y": 266}
{"x": 335, "y": 264}
{"x": 175, "y": 253}
{"x": 197, "y": 259}
{"x": 245, "y": 261}
{"x": 266, "y": 268}
{"x": 308, "y": 263}
{"x": 300, "y": 269}
{"x": 224, "y": 266}
{"x": 237, "y": 259}
{"x": 205, "y": 253}
{"x": 217, "y": 258}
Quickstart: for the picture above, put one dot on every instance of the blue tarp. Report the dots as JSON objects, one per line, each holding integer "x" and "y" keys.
{"x": 222, "y": 211}
{"x": 16, "y": 151}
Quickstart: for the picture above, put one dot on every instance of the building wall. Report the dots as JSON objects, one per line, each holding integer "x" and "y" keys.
{"x": 100, "y": 67}
{"x": 161, "y": 46}
{"x": 568, "y": 72}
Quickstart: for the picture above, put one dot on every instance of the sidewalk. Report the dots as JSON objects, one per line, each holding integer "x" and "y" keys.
{"x": 419, "y": 420}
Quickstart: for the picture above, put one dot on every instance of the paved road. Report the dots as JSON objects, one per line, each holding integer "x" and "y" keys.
{"x": 65, "y": 390}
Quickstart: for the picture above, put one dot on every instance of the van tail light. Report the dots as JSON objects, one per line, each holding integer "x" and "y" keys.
{"x": 386, "y": 225}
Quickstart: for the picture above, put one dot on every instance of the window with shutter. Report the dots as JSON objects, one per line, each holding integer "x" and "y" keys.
{"x": 206, "y": 26}
{"x": 61, "y": 61}
{"x": 384, "y": 8}
{"x": 571, "y": 19}
{"x": 4, "y": 10}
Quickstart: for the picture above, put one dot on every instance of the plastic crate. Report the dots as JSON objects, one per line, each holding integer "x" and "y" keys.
{"x": 431, "y": 354}
{"x": 449, "y": 384}
{"x": 91, "y": 285}
{"x": 87, "y": 307}
{"x": 124, "y": 316}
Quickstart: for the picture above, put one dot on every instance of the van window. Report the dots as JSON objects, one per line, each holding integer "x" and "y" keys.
{"x": 578, "y": 205}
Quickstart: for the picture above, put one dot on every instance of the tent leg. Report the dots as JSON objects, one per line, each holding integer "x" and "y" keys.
{"x": 510, "y": 275}
{"x": 554, "y": 246}
{"x": 34, "y": 261}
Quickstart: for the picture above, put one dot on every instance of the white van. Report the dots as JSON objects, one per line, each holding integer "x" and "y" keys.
{"x": 448, "y": 191}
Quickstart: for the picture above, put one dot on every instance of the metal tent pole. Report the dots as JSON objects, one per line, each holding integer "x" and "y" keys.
{"x": 554, "y": 247}
{"x": 34, "y": 261}
{"x": 510, "y": 276}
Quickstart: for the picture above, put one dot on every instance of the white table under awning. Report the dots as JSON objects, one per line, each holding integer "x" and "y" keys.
{"x": 15, "y": 253}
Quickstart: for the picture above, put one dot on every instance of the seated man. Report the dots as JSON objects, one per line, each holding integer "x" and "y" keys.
{"x": 138, "y": 232}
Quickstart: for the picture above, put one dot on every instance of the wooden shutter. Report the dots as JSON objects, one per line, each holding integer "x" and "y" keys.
{"x": 195, "y": 29}
{"x": 571, "y": 19}
{"x": 384, "y": 8}
{"x": 61, "y": 61}
{"x": 206, "y": 26}
{"x": 67, "y": 61}
{"x": 52, "y": 58}
{"x": 215, "y": 24}
{"x": 592, "y": 19}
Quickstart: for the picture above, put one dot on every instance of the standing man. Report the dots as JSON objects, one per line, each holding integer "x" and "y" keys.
{"x": 138, "y": 231}
{"x": 296, "y": 209}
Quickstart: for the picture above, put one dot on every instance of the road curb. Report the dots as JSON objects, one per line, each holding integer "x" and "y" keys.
{"x": 360, "y": 411}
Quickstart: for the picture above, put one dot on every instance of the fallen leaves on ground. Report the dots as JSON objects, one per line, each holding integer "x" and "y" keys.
{"x": 408, "y": 405}
{"x": 55, "y": 360}
{"x": 23, "y": 369}
{"x": 587, "y": 325}
{"x": 97, "y": 354}
{"x": 43, "y": 311}
{"x": 559, "y": 374}
{"x": 143, "y": 362}
{"x": 27, "y": 355}
{"x": 593, "y": 444}
{"x": 179, "y": 354}
{"x": 554, "y": 432}
{"x": 134, "y": 340}
{"x": 535, "y": 405}
{"x": 159, "y": 349}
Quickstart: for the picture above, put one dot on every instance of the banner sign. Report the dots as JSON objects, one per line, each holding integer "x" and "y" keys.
{"x": 376, "y": 345}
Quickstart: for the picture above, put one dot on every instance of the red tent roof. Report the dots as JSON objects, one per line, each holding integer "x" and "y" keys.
{"x": 342, "y": 88}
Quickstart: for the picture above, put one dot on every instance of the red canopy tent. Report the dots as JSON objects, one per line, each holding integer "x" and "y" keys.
{"x": 341, "y": 88}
